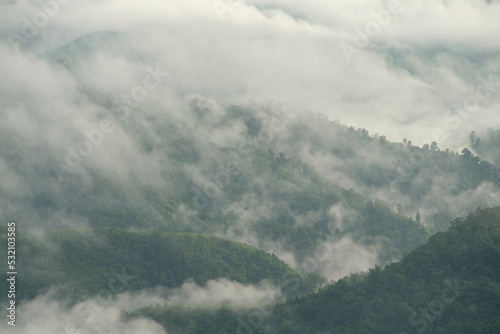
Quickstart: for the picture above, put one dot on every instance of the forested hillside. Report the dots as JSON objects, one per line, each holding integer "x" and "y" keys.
{"x": 486, "y": 144}
{"x": 263, "y": 173}
{"x": 436, "y": 182}
{"x": 111, "y": 261}
{"x": 190, "y": 183}
{"x": 249, "y": 167}
{"x": 449, "y": 285}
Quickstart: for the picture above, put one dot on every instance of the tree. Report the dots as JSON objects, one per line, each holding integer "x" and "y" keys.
{"x": 466, "y": 153}
{"x": 474, "y": 139}
{"x": 281, "y": 159}
{"x": 253, "y": 126}
{"x": 418, "y": 218}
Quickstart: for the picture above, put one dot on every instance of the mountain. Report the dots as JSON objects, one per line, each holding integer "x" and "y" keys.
{"x": 449, "y": 285}
{"x": 438, "y": 183}
{"x": 267, "y": 174}
{"x": 252, "y": 174}
{"x": 184, "y": 179}
{"x": 254, "y": 166}
{"x": 82, "y": 264}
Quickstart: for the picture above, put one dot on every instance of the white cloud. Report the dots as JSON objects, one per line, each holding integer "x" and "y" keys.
{"x": 429, "y": 57}
{"x": 285, "y": 50}
{"x": 44, "y": 315}
{"x": 97, "y": 315}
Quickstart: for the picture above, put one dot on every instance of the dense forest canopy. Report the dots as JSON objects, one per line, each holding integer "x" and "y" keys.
{"x": 448, "y": 285}
{"x": 111, "y": 261}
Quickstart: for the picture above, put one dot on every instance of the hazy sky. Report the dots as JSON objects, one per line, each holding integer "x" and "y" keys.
{"x": 400, "y": 80}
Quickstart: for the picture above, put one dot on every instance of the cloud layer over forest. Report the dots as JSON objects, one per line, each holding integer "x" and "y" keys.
{"x": 424, "y": 58}
{"x": 147, "y": 86}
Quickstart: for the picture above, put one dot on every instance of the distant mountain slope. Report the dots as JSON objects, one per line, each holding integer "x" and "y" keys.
{"x": 180, "y": 178}
{"x": 110, "y": 261}
{"x": 251, "y": 173}
{"x": 449, "y": 285}
{"x": 438, "y": 183}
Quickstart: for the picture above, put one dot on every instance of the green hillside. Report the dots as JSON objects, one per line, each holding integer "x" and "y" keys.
{"x": 439, "y": 183}
{"x": 110, "y": 261}
{"x": 243, "y": 191}
{"x": 449, "y": 285}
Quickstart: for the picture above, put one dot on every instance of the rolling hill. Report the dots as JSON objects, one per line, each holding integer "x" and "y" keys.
{"x": 82, "y": 264}
{"x": 449, "y": 285}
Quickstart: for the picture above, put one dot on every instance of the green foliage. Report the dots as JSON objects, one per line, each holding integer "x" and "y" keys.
{"x": 487, "y": 146}
{"x": 418, "y": 178}
{"x": 384, "y": 300}
{"x": 294, "y": 190}
{"x": 114, "y": 260}
{"x": 449, "y": 285}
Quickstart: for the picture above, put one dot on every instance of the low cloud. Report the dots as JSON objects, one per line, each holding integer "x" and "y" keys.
{"x": 45, "y": 314}
{"x": 221, "y": 292}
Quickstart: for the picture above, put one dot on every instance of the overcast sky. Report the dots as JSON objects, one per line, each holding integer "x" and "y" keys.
{"x": 421, "y": 58}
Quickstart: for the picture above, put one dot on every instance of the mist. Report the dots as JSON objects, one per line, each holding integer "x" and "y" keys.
{"x": 153, "y": 110}
{"x": 107, "y": 315}
{"x": 295, "y": 56}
